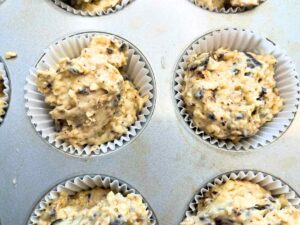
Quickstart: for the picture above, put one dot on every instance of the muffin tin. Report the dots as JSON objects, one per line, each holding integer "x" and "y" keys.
{"x": 166, "y": 163}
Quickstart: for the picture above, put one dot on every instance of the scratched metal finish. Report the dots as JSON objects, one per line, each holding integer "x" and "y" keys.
{"x": 166, "y": 163}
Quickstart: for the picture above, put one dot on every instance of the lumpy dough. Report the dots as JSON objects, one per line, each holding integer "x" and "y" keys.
{"x": 219, "y": 4}
{"x": 93, "y": 5}
{"x": 95, "y": 207}
{"x": 92, "y": 101}
{"x": 243, "y": 203}
{"x": 2, "y": 102}
{"x": 230, "y": 94}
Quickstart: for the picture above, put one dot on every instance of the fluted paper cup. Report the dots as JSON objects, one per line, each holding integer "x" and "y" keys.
{"x": 84, "y": 183}
{"x": 113, "y": 9}
{"x": 285, "y": 75}
{"x": 6, "y": 90}
{"x": 276, "y": 186}
{"x": 229, "y": 10}
{"x": 138, "y": 71}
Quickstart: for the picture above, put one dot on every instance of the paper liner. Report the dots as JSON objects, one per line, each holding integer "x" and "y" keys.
{"x": 228, "y": 10}
{"x": 114, "y": 9}
{"x": 269, "y": 182}
{"x": 83, "y": 183}
{"x": 6, "y": 90}
{"x": 138, "y": 71}
{"x": 285, "y": 76}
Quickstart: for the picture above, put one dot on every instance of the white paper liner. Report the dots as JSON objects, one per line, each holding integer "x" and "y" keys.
{"x": 285, "y": 76}
{"x": 228, "y": 10}
{"x": 83, "y": 183}
{"x": 114, "y": 9}
{"x": 6, "y": 90}
{"x": 269, "y": 182}
{"x": 138, "y": 71}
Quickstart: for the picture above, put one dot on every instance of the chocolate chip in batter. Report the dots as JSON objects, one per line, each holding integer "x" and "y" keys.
{"x": 261, "y": 207}
{"x": 118, "y": 221}
{"x": 200, "y": 74}
{"x": 56, "y": 222}
{"x": 271, "y": 199}
{"x": 58, "y": 125}
{"x": 225, "y": 221}
{"x": 123, "y": 47}
{"x": 52, "y": 213}
{"x": 74, "y": 70}
{"x": 263, "y": 92}
{"x": 252, "y": 62}
{"x": 248, "y": 74}
{"x": 84, "y": 91}
{"x": 240, "y": 116}
{"x": 109, "y": 51}
{"x": 236, "y": 71}
{"x": 211, "y": 116}
{"x": 199, "y": 94}
{"x": 204, "y": 63}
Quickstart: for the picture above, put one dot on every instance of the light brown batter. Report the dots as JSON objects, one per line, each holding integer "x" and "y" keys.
{"x": 95, "y": 207}
{"x": 92, "y": 101}
{"x": 231, "y": 94}
{"x": 219, "y": 4}
{"x": 243, "y": 203}
{"x": 93, "y": 5}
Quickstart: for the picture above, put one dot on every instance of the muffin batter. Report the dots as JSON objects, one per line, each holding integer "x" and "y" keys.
{"x": 92, "y": 101}
{"x": 231, "y": 94}
{"x": 219, "y": 4}
{"x": 93, "y": 5}
{"x": 97, "y": 206}
{"x": 243, "y": 203}
{"x": 2, "y": 102}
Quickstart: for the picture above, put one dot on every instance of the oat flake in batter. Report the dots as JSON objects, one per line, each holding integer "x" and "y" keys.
{"x": 93, "y": 5}
{"x": 92, "y": 101}
{"x": 95, "y": 207}
{"x": 230, "y": 94}
{"x": 219, "y": 4}
{"x": 243, "y": 203}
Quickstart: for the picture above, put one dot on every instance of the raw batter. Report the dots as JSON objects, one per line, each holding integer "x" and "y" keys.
{"x": 93, "y": 5}
{"x": 95, "y": 207}
{"x": 92, "y": 101}
{"x": 231, "y": 94}
{"x": 243, "y": 203}
{"x": 219, "y": 4}
{"x": 2, "y": 102}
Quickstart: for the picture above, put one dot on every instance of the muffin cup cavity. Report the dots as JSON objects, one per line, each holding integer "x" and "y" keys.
{"x": 138, "y": 71}
{"x": 230, "y": 10}
{"x": 113, "y": 9}
{"x": 285, "y": 75}
{"x": 83, "y": 183}
{"x": 269, "y": 182}
{"x": 6, "y": 91}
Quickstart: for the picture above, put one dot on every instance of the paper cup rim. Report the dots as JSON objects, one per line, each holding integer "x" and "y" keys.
{"x": 186, "y": 125}
{"x": 129, "y": 187}
{"x": 66, "y": 7}
{"x": 139, "y": 131}
{"x": 236, "y": 172}
{"x": 230, "y": 10}
{"x": 7, "y": 89}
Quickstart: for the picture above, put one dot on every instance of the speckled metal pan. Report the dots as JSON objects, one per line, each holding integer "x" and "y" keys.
{"x": 230, "y": 10}
{"x": 6, "y": 91}
{"x": 269, "y": 182}
{"x": 83, "y": 183}
{"x": 70, "y": 9}
{"x": 138, "y": 70}
{"x": 285, "y": 76}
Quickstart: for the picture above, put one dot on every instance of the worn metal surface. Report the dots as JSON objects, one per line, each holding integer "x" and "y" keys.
{"x": 166, "y": 163}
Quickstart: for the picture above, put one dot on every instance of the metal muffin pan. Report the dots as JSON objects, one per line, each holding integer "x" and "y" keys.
{"x": 166, "y": 163}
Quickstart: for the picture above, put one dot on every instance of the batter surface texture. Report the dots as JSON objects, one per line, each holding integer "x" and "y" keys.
{"x": 92, "y": 101}
{"x": 230, "y": 94}
{"x": 95, "y": 207}
{"x": 93, "y": 5}
{"x": 219, "y": 4}
{"x": 243, "y": 203}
